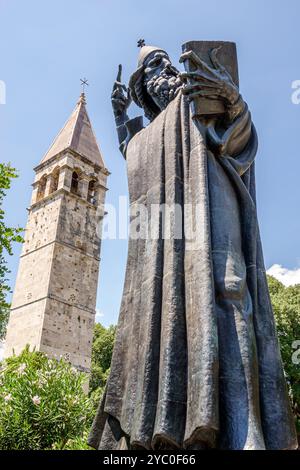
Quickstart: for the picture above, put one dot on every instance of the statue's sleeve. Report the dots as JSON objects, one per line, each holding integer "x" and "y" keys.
{"x": 238, "y": 142}
{"x": 128, "y": 130}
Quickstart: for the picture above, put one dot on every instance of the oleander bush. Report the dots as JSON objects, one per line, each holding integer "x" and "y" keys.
{"x": 42, "y": 403}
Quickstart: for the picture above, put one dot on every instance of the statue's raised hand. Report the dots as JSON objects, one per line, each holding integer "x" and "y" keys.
{"x": 209, "y": 82}
{"x": 120, "y": 97}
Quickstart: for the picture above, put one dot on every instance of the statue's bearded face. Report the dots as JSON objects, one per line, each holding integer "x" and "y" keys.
{"x": 161, "y": 79}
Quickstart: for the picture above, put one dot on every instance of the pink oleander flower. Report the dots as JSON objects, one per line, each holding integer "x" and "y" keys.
{"x": 36, "y": 400}
{"x": 21, "y": 369}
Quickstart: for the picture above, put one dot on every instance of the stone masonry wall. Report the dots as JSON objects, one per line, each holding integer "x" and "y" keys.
{"x": 25, "y": 327}
{"x": 68, "y": 331}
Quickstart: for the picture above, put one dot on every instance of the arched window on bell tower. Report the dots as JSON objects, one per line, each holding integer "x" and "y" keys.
{"x": 54, "y": 182}
{"x": 92, "y": 192}
{"x": 41, "y": 188}
{"x": 74, "y": 182}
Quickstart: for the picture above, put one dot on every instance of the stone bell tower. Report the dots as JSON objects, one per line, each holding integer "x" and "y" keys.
{"x": 54, "y": 301}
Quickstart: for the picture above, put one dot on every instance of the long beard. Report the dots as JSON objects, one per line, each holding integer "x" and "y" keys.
{"x": 165, "y": 86}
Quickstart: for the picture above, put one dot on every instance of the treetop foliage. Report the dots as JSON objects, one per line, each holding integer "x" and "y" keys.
{"x": 8, "y": 235}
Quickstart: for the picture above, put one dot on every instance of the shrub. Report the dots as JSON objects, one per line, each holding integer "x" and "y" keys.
{"x": 42, "y": 403}
{"x": 103, "y": 344}
{"x": 286, "y": 306}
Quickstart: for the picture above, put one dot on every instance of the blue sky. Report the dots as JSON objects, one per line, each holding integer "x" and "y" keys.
{"x": 47, "y": 46}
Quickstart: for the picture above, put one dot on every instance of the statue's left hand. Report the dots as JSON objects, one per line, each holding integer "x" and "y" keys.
{"x": 210, "y": 82}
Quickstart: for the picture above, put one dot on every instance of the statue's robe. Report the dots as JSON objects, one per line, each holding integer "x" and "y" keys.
{"x": 196, "y": 361}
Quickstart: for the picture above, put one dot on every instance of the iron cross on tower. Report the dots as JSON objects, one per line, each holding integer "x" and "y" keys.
{"x": 84, "y": 83}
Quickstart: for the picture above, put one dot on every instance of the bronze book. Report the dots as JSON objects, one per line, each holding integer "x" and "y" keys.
{"x": 227, "y": 56}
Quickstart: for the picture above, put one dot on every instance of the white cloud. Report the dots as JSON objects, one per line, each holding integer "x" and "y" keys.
{"x": 99, "y": 315}
{"x": 288, "y": 277}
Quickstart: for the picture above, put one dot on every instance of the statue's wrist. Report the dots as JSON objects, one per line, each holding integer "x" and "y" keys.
{"x": 121, "y": 117}
{"x": 236, "y": 108}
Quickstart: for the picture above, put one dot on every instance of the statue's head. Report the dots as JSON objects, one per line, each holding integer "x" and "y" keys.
{"x": 155, "y": 82}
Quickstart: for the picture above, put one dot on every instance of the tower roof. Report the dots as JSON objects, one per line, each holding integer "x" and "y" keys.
{"x": 78, "y": 135}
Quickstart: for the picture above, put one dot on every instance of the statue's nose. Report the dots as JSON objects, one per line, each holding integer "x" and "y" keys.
{"x": 166, "y": 62}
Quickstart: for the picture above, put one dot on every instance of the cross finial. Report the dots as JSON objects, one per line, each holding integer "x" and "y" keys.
{"x": 141, "y": 43}
{"x": 84, "y": 83}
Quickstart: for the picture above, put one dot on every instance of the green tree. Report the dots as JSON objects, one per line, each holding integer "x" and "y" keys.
{"x": 103, "y": 343}
{"x": 286, "y": 306}
{"x": 4, "y": 316}
{"x": 8, "y": 235}
{"x": 42, "y": 404}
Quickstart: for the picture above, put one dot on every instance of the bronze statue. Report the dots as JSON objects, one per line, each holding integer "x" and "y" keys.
{"x": 196, "y": 362}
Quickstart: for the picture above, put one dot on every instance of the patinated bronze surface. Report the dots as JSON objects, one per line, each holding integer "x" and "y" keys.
{"x": 196, "y": 362}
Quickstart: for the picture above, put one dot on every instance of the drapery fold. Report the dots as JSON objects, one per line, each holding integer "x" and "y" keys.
{"x": 164, "y": 385}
